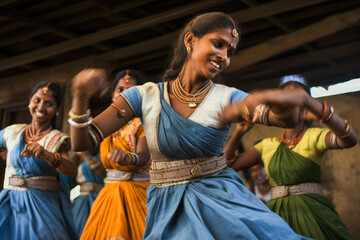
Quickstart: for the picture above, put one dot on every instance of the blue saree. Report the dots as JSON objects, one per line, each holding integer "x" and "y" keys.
{"x": 214, "y": 207}
{"x": 31, "y": 213}
{"x": 81, "y": 205}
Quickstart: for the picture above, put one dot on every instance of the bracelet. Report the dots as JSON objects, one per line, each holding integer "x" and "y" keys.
{"x": 93, "y": 138}
{"x": 333, "y": 140}
{"x": 263, "y": 111}
{"x": 346, "y": 132}
{"x": 57, "y": 160}
{"x": 97, "y": 129}
{"x": 331, "y": 109}
{"x": 80, "y": 125}
{"x": 323, "y": 114}
{"x": 79, "y": 118}
{"x": 133, "y": 158}
{"x": 95, "y": 165}
{"x": 121, "y": 112}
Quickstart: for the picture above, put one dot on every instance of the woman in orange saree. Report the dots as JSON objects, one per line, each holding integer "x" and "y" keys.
{"x": 120, "y": 209}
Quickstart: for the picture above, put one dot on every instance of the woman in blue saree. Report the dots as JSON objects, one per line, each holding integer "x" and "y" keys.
{"x": 35, "y": 203}
{"x": 90, "y": 177}
{"x": 193, "y": 195}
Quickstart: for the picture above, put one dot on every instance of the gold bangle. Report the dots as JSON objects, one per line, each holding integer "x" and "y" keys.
{"x": 346, "y": 132}
{"x": 57, "y": 160}
{"x": 246, "y": 115}
{"x": 79, "y": 118}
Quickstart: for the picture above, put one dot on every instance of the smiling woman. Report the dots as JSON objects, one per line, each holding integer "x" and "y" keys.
{"x": 34, "y": 201}
{"x": 193, "y": 195}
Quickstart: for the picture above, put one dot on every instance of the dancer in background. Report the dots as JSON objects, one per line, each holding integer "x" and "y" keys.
{"x": 34, "y": 203}
{"x": 120, "y": 209}
{"x": 90, "y": 178}
{"x": 255, "y": 176}
{"x": 292, "y": 162}
{"x": 186, "y": 118}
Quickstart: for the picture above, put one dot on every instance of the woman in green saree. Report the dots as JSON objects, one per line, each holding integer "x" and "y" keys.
{"x": 292, "y": 162}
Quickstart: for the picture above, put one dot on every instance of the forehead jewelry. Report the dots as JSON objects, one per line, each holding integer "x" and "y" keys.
{"x": 234, "y": 31}
{"x": 127, "y": 76}
{"x": 45, "y": 89}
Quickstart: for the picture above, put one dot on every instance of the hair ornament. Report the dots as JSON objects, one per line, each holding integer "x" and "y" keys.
{"x": 234, "y": 31}
{"x": 46, "y": 88}
{"x": 127, "y": 76}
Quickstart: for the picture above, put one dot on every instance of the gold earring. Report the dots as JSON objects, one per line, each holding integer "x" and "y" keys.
{"x": 188, "y": 49}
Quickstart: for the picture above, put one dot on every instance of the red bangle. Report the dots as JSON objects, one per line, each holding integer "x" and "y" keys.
{"x": 323, "y": 115}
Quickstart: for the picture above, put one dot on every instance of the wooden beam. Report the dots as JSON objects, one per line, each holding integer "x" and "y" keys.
{"x": 272, "y": 8}
{"x": 6, "y": 2}
{"x": 264, "y": 70}
{"x": 45, "y": 27}
{"x": 105, "y": 34}
{"x": 138, "y": 48}
{"x": 311, "y": 76}
{"x": 277, "y": 45}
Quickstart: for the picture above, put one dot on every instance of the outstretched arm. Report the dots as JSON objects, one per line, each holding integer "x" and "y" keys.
{"x": 246, "y": 159}
{"x": 86, "y": 133}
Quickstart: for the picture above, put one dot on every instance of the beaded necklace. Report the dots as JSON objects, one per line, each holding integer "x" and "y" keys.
{"x": 30, "y": 137}
{"x": 291, "y": 143}
{"x": 191, "y": 99}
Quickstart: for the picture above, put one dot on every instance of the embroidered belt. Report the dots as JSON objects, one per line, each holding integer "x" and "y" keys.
{"x": 169, "y": 173}
{"x": 303, "y": 188}
{"x": 90, "y": 187}
{"x": 116, "y": 175}
{"x": 46, "y": 183}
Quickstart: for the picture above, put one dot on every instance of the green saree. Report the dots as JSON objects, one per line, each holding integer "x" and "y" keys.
{"x": 310, "y": 215}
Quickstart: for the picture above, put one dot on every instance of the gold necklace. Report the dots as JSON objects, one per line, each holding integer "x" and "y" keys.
{"x": 30, "y": 137}
{"x": 291, "y": 143}
{"x": 191, "y": 99}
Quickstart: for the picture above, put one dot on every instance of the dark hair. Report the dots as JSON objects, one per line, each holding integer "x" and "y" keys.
{"x": 56, "y": 93}
{"x": 199, "y": 26}
{"x": 139, "y": 79}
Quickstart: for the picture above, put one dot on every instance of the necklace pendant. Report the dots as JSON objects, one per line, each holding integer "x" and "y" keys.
{"x": 192, "y": 105}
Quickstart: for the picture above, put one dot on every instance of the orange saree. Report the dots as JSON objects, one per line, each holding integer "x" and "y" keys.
{"x": 119, "y": 211}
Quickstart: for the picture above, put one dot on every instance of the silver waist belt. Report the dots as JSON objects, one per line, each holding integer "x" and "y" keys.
{"x": 116, "y": 175}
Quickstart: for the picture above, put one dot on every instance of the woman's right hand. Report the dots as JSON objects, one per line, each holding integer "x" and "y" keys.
{"x": 88, "y": 83}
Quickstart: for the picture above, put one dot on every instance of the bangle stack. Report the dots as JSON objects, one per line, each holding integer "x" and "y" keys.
{"x": 57, "y": 160}
{"x": 133, "y": 158}
{"x": 80, "y": 121}
{"x": 263, "y": 111}
{"x": 346, "y": 132}
{"x": 326, "y": 114}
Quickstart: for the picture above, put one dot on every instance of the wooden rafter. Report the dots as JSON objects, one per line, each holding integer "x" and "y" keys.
{"x": 295, "y": 39}
{"x": 252, "y": 73}
{"x": 104, "y": 35}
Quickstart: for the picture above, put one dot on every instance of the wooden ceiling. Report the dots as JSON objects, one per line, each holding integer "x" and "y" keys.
{"x": 317, "y": 38}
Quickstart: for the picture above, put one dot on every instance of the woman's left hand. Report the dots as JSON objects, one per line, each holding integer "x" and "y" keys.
{"x": 117, "y": 155}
